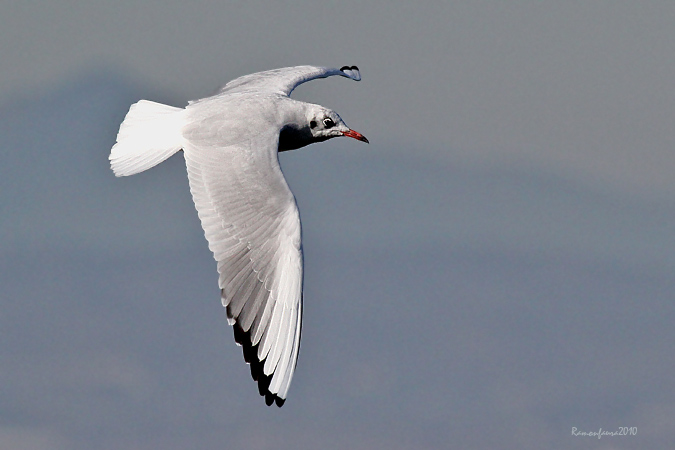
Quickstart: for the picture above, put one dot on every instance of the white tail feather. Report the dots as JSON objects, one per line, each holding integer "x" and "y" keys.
{"x": 150, "y": 133}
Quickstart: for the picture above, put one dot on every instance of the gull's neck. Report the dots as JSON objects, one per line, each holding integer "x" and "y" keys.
{"x": 295, "y": 132}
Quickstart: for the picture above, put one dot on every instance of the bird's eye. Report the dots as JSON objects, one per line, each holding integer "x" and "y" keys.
{"x": 328, "y": 123}
{"x": 312, "y": 124}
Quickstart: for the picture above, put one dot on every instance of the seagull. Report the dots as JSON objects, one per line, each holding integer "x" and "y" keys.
{"x": 231, "y": 142}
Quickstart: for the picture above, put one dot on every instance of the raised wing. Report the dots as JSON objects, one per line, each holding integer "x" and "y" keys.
{"x": 283, "y": 81}
{"x": 251, "y": 222}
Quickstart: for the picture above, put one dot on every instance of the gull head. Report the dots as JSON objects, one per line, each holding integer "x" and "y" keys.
{"x": 317, "y": 124}
{"x": 325, "y": 124}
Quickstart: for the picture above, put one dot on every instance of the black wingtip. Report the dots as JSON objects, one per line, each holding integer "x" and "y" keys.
{"x": 263, "y": 382}
{"x": 271, "y": 399}
{"x": 243, "y": 338}
{"x": 343, "y": 68}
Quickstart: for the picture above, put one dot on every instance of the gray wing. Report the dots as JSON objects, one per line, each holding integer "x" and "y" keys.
{"x": 283, "y": 81}
{"x": 252, "y": 225}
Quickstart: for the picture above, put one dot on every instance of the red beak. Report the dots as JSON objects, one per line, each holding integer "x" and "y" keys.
{"x": 356, "y": 135}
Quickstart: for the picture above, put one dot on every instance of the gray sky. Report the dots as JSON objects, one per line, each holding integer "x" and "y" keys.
{"x": 494, "y": 269}
{"x": 584, "y": 87}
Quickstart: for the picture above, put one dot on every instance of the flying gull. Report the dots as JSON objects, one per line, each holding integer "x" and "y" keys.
{"x": 250, "y": 218}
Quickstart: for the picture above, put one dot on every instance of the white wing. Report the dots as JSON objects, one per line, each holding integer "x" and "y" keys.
{"x": 283, "y": 81}
{"x": 251, "y": 222}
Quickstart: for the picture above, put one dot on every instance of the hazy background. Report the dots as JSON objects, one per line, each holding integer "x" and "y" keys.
{"x": 494, "y": 269}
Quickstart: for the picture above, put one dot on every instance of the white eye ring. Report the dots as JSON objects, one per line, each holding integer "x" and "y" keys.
{"x": 328, "y": 123}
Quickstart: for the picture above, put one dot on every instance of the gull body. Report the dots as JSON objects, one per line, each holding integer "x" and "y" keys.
{"x": 250, "y": 219}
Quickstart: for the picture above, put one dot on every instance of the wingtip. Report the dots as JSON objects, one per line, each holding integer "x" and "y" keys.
{"x": 250, "y": 351}
{"x": 273, "y": 399}
{"x": 343, "y": 68}
{"x": 351, "y": 72}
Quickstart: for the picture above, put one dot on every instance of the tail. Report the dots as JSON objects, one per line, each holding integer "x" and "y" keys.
{"x": 150, "y": 133}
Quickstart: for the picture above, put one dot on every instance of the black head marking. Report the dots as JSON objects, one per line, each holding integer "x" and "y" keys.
{"x": 312, "y": 124}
